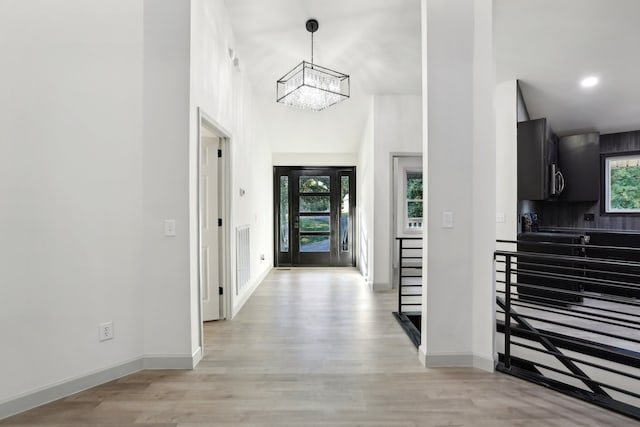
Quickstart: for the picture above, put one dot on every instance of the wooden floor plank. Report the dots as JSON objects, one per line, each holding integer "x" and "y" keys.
{"x": 314, "y": 347}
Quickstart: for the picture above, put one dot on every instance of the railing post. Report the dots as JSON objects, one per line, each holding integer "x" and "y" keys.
{"x": 400, "y": 277}
{"x": 507, "y": 313}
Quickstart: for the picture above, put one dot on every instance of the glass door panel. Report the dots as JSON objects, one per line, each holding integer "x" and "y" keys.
{"x": 314, "y": 224}
{"x": 284, "y": 214}
{"x": 315, "y": 184}
{"x": 344, "y": 213}
{"x": 314, "y": 203}
{"x": 314, "y": 197}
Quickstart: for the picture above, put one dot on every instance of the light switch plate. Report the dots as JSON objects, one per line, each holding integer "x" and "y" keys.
{"x": 447, "y": 219}
{"x": 170, "y": 227}
{"x": 499, "y": 216}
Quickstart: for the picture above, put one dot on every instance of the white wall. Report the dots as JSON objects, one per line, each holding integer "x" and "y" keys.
{"x": 223, "y": 92}
{"x": 71, "y": 185}
{"x": 506, "y": 159}
{"x": 484, "y": 177}
{"x": 166, "y": 178}
{"x": 334, "y": 130}
{"x": 459, "y": 82}
{"x": 365, "y": 199}
{"x": 394, "y": 126}
{"x": 315, "y": 159}
{"x": 98, "y": 124}
{"x": 397, "y": 129}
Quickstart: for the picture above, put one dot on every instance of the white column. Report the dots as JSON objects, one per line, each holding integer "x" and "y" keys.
{"x": 458, "y": 85}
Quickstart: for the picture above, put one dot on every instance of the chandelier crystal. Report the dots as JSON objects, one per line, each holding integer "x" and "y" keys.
{"x": 312, "y": 87}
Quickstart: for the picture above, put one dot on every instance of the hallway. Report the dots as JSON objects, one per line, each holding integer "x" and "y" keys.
{"x": 315, "y": 347}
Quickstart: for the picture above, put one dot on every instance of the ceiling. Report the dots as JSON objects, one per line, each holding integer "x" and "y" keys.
{"x": 376, "y": 42}
{"x": 550, "y": 45}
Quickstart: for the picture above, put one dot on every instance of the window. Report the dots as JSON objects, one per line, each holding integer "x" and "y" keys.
{"x": 622, "y": 183}
{"x": 408, "y": 200}
{"x": 413, "y": 199}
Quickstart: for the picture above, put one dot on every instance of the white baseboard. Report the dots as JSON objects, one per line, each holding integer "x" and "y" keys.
{"x": 380, "y": 287}
{"x": 50, "y": 393}
{"x": 422, "y": 356}
{"x": 447, "y": 360}
{"x": 369, "y": 284}
{"x": 196, "y": 357}
{"x": 152, "y": 361}
{"x": 62, "y": 389}
{"x": 244, "y": 297}
{"x": 484, "y": 363}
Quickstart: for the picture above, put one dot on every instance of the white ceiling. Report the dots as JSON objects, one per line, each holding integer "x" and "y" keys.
{"x": 549, "y": 45}
{"x": 376, "y": 42}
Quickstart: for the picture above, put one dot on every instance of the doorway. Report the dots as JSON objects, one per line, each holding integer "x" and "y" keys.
{"x": 212, "y": 208}
{"x": 314, "y": 216}
{"x": 407, "y": 213}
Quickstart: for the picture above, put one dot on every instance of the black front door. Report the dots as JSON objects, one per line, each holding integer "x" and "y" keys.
{"x": 314, "y": 216}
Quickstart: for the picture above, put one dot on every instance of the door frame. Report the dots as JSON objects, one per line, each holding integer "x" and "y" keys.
{"x": 224, "y": 200}
{"x": 277, "y": 172}
{"x": 398, "y": 170}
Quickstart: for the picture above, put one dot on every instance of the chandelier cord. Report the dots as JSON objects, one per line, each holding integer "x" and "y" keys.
{"x": 312, "y": 50}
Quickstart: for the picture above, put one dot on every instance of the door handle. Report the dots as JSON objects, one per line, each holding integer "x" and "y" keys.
{"x": 560, "y": 182}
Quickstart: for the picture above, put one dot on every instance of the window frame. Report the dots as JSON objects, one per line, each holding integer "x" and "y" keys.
{"x": 605, "y": 193}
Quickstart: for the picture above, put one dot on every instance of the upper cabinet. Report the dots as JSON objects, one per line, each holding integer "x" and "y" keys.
{"x": 579, "y": 161}
{"x": 537, "y": 158}
{"x": 565, "y": 169}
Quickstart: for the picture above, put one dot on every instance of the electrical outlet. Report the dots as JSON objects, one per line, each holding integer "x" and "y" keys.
{"x": 105, "y": 331}
{"x": 261, "y": 257}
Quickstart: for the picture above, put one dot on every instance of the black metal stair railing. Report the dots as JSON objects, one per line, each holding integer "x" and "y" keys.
{"x": 571, "y": 323}
{"x": 409, "y": 274}
{"x": 409, "y": 314}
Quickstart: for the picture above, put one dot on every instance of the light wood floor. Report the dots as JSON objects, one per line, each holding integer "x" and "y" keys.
{"x": 314, "y": 347}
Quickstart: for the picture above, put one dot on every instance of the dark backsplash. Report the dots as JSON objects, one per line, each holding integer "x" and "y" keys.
{"x": 571, "y": 214}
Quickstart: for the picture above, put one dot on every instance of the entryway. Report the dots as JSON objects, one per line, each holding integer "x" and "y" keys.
{"x": 314, "y": 216}
{"x": 212, "y": 214}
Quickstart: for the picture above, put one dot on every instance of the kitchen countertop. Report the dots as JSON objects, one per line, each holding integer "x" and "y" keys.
{"x": 552, "y": 234}
{"x": 583, "y": 231}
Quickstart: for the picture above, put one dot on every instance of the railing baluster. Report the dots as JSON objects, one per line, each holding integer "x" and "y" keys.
{"x": 507, "y": 314}
{"x": 400, "y": 278}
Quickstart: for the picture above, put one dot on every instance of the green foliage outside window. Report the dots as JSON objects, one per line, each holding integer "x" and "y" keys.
{"x": 625, "y": 187}
{"x": 314, "y": 224}
{"x": 414, "y": 195}
{"x": 314, "y": 184}
{"x": 414, "y": 209}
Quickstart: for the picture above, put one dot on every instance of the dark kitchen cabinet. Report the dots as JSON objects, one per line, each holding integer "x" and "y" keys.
{"x": 579, "y": 160}
{"x": 549, "y": 280}
{"x": 537, "y": 152}
{"x": 626, "y": 276}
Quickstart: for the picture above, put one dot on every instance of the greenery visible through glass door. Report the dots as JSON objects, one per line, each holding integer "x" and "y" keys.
{"x": 284, "y": 214}
{"x": 344, "y": 213}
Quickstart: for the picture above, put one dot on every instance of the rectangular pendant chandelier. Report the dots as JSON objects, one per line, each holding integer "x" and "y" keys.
{"x": 312, "y": 87}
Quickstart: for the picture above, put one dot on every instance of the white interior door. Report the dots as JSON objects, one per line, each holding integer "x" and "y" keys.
{"x": 209, "y": 230}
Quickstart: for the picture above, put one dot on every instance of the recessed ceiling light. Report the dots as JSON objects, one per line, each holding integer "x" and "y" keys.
{"x": 589, "y": 81}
